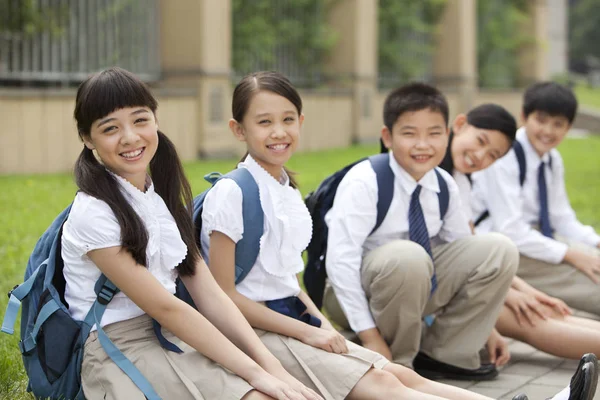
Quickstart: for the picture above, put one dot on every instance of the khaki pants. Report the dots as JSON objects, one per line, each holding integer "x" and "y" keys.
{"x": 473, "y": 275}
{"x": 563, "y": 280}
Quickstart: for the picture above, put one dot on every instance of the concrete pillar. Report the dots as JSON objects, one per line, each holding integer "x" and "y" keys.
{"x": 354, "y": 60}
{"x": 455, "y": 55}
{"x": 196, "y": 54}
{"x": 558, "y": 37}
{"x": 533, "y": 56}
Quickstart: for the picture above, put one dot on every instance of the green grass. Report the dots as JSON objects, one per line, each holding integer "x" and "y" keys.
{"x": 587, "y": 96}
{"x": 30, "y": 203}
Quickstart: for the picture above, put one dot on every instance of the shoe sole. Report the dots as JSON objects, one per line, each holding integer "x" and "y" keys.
{"x": 436, "y": 375}
{"x": 591, "y": 381}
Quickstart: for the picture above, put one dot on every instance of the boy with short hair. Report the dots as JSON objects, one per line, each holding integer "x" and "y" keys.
{"x": 559, "y": 255}
{"x": 415, "y": 263}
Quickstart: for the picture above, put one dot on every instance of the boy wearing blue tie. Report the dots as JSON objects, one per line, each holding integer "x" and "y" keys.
{"x": 419, "y": 261}
{"x": 523, "y": 196}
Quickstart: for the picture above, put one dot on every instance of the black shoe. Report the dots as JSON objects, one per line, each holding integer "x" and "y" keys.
{"x": 583, "y": 383}
{"x": 434, "y": 369}
{"x": 520, "y": 397}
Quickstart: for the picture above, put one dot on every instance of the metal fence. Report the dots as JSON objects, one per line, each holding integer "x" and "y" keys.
{"x": 63, "y": 41}
{"x": 288, "y": 36}
{"x": 406, "y": 43}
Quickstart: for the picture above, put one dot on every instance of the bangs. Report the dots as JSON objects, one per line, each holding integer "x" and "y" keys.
{"x": 106, "y": 92}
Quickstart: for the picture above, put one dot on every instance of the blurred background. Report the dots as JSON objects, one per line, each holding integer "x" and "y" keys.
{"x": 344, "y": 55}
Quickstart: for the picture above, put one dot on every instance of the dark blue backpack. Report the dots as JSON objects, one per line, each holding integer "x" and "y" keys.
{"x": 52, "y": 342}
{"x": 320, "y": 202}
{"x": 522, "y": 161}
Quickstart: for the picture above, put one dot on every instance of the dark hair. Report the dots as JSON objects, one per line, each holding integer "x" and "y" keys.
{"x": 98, "y": 96}
{"x": 413, "y": 97}
{"x": 270, "y": 81}
{"x": 552, "y": 98}
{"x": 493, "y": 117}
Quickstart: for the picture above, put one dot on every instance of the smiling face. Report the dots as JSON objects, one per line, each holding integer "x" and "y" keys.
{"x": 545, "y": 131}
{"x": 418, "y": 140}
{"x": 271, "y": 129}
{"x": 125, "y": 141}
{"x": 474, "y": 149}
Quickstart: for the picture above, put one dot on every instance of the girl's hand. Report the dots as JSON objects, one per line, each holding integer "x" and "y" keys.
{"x": 557, "y": 304}
{"x": 331, "y": 341}
{"x": 276, "y": 388}
{"x": 325, "y": 324}
{"x": 526, "y": 307}
{"x": 280, "y": 373}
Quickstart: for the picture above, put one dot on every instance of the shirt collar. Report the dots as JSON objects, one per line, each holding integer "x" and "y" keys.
{"x": 131, "y": 190}
{"x": 258, "y": 170}
{"x": 528, "y": 148}
{"x": 428, "y": 181}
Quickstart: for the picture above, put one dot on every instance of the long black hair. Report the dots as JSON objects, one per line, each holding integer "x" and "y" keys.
{"x": 486, "y": 116}
{"x": 98, "y": 96}
{"x": 270, "y": 81}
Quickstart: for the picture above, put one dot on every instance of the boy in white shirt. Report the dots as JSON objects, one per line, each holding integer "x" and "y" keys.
{"x": 559, "y": 255}
{"x": 416, "y": 263}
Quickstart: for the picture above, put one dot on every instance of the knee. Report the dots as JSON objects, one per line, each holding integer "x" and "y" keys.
{"x": 384, "y": 380}
{"x": 505, "y": 250}
{"x": 406, "y": 376}
{"x": 401, "y": 262}
{"x": 256, "y": 395}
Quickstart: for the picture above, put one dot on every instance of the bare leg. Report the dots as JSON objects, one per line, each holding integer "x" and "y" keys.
{"x": 380, "y": 384}
{"x": 415, "y": 381}
{"x": 587, "y": 322}
{"x": 568, "y": 338}
{"x": 256, "y": 395}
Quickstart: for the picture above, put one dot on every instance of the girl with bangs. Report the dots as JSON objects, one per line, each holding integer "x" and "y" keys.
{"x": 131, "y": 221}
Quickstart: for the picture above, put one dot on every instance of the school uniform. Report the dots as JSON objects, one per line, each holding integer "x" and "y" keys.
{"x": 384, "y": 280}
{"x": 287, "y": 231}
{"x": 92, "y": 225}
{"x": 543, "y": 242}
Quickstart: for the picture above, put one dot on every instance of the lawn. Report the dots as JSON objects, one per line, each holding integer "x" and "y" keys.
{"x": 587, "y": 96}
{"x": 30, "y": 203}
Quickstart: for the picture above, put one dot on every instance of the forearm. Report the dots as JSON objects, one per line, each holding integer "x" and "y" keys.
{"x": 311, "y": 308}
{"x": 261, "y": 317}
{"x": 195, "y": 330}
{"x": 223, "y": 313}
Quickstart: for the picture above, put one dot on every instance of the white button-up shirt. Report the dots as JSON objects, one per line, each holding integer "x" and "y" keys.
{"x": 515, "y": 210}
{"x": 353, "y": 217}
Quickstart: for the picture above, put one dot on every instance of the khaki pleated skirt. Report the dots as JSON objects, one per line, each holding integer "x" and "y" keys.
{"x": 331, "y": 375}
{"x": 184, "y": 376}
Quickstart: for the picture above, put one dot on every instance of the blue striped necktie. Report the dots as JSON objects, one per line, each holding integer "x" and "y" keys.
{"x": 545, "y": 226}
{"x": 417, "y": 229}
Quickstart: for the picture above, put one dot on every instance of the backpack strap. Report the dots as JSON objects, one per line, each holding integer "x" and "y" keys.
{"x": 385, "y": 185}
{"x": 105, "y": 291}
{"x": 14, "y": 303}
{"x": 520, "y": 153}
{"x": 443, "y": 195}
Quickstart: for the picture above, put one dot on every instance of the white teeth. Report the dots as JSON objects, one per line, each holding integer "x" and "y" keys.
{"x": 278, "y": 146}
{"x": 421, "y": 157}
{"x": 132, "y": 154}
{"x": 469, "y": 161}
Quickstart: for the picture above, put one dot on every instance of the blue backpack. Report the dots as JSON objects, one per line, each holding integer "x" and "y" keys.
{"x": 522, "y": 161}
{"x": 52, "y": 343}
{"x": 320, "y": 202}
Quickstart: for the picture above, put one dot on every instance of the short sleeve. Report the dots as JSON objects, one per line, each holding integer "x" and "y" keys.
{"x": 222, "y": 210}
{"x": 91, "y": 225}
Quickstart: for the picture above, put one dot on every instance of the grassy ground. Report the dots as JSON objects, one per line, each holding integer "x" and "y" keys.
{"x": 30, "y": 203}
{"x": 588, "y": 97}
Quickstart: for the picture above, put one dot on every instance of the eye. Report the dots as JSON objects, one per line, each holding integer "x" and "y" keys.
{"x": 407, "y": 133}
{"x": 109, "y": 129}
{"x": 480, "y": 140}
{"x": 140, "y": 120}
{"x": 264, "y": 122}
{"x": 436, "y": 133}
{"x": 289, "y": 119}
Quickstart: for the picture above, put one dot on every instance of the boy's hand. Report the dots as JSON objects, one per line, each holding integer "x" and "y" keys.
{"x": 331, "y": 341}
{"x": 559, "y": 306}
{"x": 497, "y": 349}
{"x": 586, "y": 263}
{"x": 372, "y": 340}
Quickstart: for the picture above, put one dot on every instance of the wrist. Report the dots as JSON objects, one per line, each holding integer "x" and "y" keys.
{"x": 252, "y": 373}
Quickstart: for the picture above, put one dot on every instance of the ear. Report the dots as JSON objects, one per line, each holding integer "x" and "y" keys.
{"x": 88, "y": 143}
{"x": 459, "y": 122}
{"x": 386, "y": 136}
{"x": 237, "y": 129}
{"x": 301, "y": 119}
